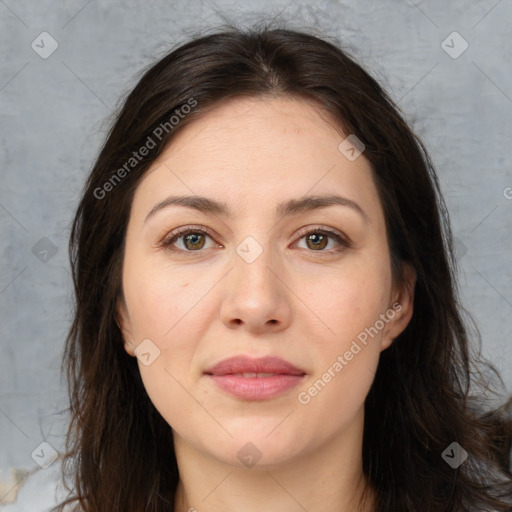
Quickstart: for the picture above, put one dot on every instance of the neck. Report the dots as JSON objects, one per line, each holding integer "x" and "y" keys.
{"x": 327, "y": 478}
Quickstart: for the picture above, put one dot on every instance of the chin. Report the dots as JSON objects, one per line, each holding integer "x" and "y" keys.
{"x": 254, "y": 446}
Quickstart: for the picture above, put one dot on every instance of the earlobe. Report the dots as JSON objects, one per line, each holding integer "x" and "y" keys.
{"x": 403, "y": 307}
{"x": 123, "y": 322}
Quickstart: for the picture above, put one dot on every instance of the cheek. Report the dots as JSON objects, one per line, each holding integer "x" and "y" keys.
{"x": 348, "y": 355}
{"x": 166, "y": 394}
{"x": 165, "y": 307}
{"x": 333, "y": 401}
{"x": 161, "y": 309}
{"x": 352, "y": 301}
{"x": 158, "y": 298}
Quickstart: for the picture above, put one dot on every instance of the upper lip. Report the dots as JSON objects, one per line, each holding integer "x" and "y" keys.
{"x": 245, "y": 364}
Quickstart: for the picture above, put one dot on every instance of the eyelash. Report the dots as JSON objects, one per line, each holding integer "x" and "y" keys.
{"x": 180, "y": 232}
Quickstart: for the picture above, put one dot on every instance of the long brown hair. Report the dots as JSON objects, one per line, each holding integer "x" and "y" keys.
{"x": 425, "y": 396}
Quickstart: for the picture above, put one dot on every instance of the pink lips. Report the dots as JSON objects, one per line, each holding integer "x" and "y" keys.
{"x": 264, "y": 378}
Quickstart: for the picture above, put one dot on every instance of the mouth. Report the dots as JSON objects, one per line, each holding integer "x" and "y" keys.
{"x": 255, "y": 379}
{"x": 259, "y": 375}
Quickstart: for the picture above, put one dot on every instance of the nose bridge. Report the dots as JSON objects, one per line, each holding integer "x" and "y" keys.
{"x": 254, "y": 259}
{"x": 255, "y": 296}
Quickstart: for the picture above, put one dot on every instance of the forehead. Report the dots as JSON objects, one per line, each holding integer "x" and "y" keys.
{"x": 258, "y": 149}
{"x": 286, "y": 116}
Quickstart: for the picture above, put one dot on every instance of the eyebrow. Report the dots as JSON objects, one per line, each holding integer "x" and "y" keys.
{"x": 287, "y": 208}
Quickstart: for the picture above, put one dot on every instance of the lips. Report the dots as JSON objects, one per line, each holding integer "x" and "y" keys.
{"x": 255, "y": 379}
{"x": 259, "y": 367}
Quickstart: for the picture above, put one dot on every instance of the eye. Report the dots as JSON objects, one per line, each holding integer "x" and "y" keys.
{"x": 317, "y": 240}
{"x": 193, "y": 240}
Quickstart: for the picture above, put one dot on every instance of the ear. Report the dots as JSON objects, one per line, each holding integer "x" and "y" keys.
{"x": 124, "y": 324}
{"x": 402, "y": 304}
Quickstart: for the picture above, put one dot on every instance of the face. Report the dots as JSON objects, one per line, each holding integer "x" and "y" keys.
{"x": 309, "y": 285}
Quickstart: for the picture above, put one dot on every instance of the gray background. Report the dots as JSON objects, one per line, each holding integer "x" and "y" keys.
{"x": 54, "y": 113}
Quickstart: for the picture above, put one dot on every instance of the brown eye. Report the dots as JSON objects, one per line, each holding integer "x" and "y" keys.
{"x": 318, "y": 239}
{"x": 193, "y": 240}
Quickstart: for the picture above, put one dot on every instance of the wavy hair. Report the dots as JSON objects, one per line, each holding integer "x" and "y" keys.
{"x": 428, "y": 390}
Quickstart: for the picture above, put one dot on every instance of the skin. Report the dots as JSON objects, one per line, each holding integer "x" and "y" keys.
{"x": 302, "y": 303}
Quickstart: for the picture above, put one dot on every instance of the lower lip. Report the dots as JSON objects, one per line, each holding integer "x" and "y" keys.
{"x": 256, "y": 388}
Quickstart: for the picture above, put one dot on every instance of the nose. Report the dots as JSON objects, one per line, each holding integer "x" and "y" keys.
{"x": 255, "y": 295}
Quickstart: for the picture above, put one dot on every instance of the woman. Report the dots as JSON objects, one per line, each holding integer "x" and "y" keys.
{"x": 266, "y": 314}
